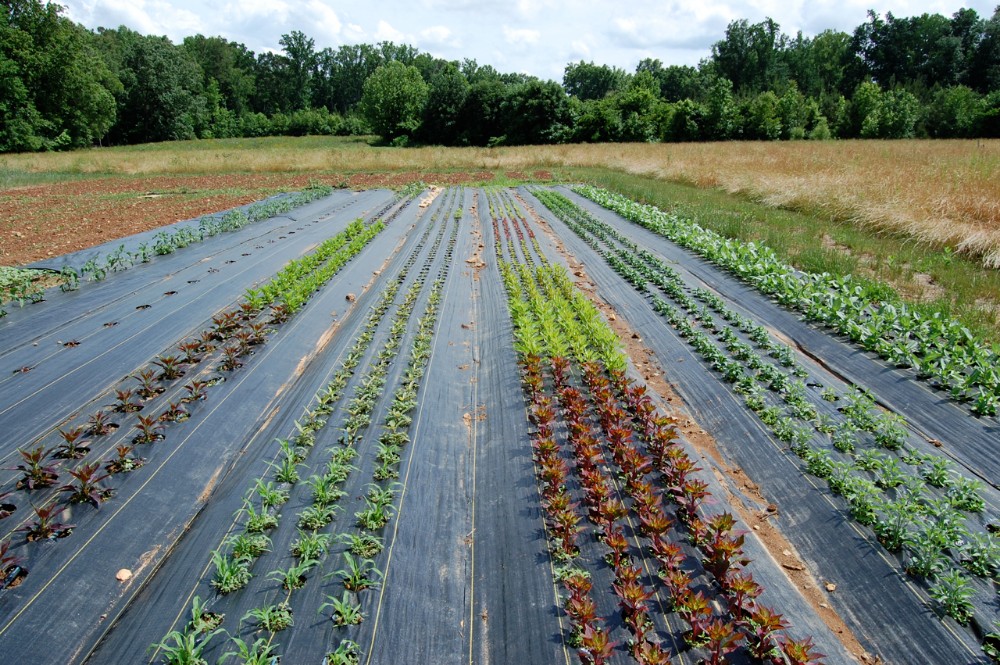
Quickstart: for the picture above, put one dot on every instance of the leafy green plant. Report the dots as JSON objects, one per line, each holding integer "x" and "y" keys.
{"x": 311, "y": 545}
{"x": 272, "y": 618}
{"x": 324, "y": 488}
{"x": 991, "y": 643}
{"x": 258, "y": 652}
{"x": 286, "y": 470}
{"x": 346, "y": 611}
{"x": 374, "y": 517}
{"x": 185, "y": 648}
{"x": 358, "y": 573}
{"x": 894, "y": 520}
{"x": 845, "y": 438}
{"x": 981, "y": 555}
{"x": 954, "y": 593}
{"x": 249, "y": 546}
{"x": 927, "y": 552}
{"x": 346, "y": 653}
{"x": 294, "y": 577}
{"x": 362, "y": 544}
{"x": 270, "y": 495}
{"x": 315, "y": 516}
{"x": 202, "y": 619}
{"x": 231, "y": 573}
{"x": 258, "y": 522}
{"x": 963, "y": 494}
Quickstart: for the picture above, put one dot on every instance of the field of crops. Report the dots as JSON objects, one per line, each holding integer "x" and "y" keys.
{"x": 469, "y": 425}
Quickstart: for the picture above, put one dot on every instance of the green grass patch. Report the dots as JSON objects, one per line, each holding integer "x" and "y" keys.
{"x": 934, "y": 279}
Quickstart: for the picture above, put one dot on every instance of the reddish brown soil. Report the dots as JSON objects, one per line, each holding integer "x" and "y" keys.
{"x": 42, "y": 221}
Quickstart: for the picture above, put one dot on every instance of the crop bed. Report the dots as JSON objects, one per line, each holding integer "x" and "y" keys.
{"x": 377, "y": 428}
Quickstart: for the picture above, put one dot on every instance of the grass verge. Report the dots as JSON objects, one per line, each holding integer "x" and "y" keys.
{"x": 934, "y": 279}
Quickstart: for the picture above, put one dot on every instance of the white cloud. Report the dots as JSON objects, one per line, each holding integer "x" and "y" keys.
{"x": 520, "y": 36}
{"x": 579, "y": 50}
{"x": 354, "y": 33}
{"x": 317, "y": 20}
{"x": 386, "y": 33}
{"x": 248, "y": 10}
{"x": 436, "y": 34}
{"x": 506, "y": 34}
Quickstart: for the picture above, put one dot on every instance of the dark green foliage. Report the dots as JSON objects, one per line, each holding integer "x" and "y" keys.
{"x": 393, "y": 100}
{"x": 55, "y": 91}
{"x": 63, "y": 86}
{"x": 162, "y": 95}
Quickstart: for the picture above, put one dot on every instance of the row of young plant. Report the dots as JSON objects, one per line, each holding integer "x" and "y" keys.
{"x": 917, "y": 504}
{"x": 25, "y": 286}
{"x": 222, "y": 347}
{"x": 299, "y": 279}
{"x": 637, "y": 442}
{"x": 20, "y": 285}
{"x": 168, "y": 242}
{"x": 235, "y": 559}
{"x": 261, "y": 515}
{"x": 937, "y": 347}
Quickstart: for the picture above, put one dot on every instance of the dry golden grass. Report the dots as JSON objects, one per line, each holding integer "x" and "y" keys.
{"x": 945, "y": 193}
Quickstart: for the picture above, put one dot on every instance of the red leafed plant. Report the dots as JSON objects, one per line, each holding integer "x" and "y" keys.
{"x": 72, "y": 446}
{"x": 11, "y": 571}
{"x": 676, "y": 468}
{"x": 174, "y": 412}
{"x": 581, "y": 610}
{"x": 147, "y": 384}
{"x": 578, "y": 584}
{"x": 761, "y": 626}
{"x": 596, "y": 647}
{"x": 723, "y": 549}
{"x": 646, "y": 652}
{"x": 170, "y": 367}
{"x": 125, "y": 403}
{"x": 191, "y": 351}
{"x": 692, "y": 492}
{"x": 696, "y": 610}
{"x": 615, "y": 539}
{"x": 6, "y": 509}
{"x": 633, "y": 464}
{"x": 677, "y": 582}
{"x": 741, "y": 591}
{"x": 609, "y": 511}
{"x": 721, "y": 640}
{"x": 88, "y": 485}
{"x": 667, "y": 553}
{"x": 100, "y": 424}
{"x": 654, "y": 522}
{"x": 45, "y": 524}
{"x": 36, "y": 472}
{"x": 646, "y": 496}
{"x": 800, "y": 652}
{"x": 560, "y": 370}
{"x": 149, "y": 430}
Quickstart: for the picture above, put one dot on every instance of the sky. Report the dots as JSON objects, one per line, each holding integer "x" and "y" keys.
{"x": 537, "y": 37}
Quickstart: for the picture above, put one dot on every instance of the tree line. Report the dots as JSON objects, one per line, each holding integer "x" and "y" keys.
{"x": 63, "y": 86}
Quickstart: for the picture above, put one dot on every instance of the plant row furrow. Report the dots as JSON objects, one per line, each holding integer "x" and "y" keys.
{"x": 898, "y": 504}
{"x": 313, "y": 544}
{"x": 233, "y": 335}
{"x": 545, "y": 323}
{"x": 937, "y": 347}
